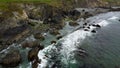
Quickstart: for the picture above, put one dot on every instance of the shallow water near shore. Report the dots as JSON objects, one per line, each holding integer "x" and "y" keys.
{"x": 102, "y": 48}
{"x": 82, "y": 49}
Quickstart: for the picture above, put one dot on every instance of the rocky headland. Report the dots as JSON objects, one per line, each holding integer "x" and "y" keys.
{"x": 21, "y": 20}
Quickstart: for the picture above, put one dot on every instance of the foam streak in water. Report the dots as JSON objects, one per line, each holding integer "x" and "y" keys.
{"x": 70, "y": 43}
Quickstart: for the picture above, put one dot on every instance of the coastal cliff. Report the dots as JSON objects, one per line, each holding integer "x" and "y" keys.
{"x": 19, "y": 20}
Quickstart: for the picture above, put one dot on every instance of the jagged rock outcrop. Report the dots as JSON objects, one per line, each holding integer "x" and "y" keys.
{"x": 11, "y": 59}
{"x": 14, "y": 34}
{"x": 32, "y": 54}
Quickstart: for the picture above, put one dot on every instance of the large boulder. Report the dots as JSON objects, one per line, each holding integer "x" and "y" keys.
{"x": 11, "y": 59}
{"x": 32, "y": 54}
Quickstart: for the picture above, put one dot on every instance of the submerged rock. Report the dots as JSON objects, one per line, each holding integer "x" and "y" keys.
{"x": 11, "y": 59}
{"x": 86, "y": 29}
{"x": 93, "y": 31}
{"x": 96, "y": 25}
{"x": 59, "y": 37}
{"x": 85, "y": 24}
{"x": 119, "y": 20}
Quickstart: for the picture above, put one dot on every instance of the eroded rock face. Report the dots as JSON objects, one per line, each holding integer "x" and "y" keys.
{"x": 14, "y": 34}
{"x": 33, "y": 56}
{"x": 11, "y": 59}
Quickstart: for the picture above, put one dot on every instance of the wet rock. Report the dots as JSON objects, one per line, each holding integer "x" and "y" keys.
{"x": 83, "y": 10}
{"x": 119, "y": 20}
{"x": 93, "y": 25}
{"x": 73, "y": 24}
{"x": 86, "y": 29}
{"x": 59, "y": 37}
{"x": 81, "y": 52}
{"x": 11, "y": 59}
{"x": 53, "y": 42}
{"x": 32, "y": 54}
{"x": 39, "y": 36}
{"x": 35, "y": 63}
{"x": 83, "y": 27}
{"x": 96, "y": 25}
{"x": 93, "y": 31}
{"x": 85, "y": 24}
{"x": 30, "y": 44}
{"x": 54, "y": 32}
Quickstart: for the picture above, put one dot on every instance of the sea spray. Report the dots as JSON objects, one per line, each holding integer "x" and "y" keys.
{"x": 70, "y": 43}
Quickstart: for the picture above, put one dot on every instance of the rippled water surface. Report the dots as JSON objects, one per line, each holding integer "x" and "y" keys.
{"x": 84, "y": 49}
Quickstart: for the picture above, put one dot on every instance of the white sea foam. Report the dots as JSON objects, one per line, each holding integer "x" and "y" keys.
{"x": 114, "y": 17}
{"x": 70, "y": 43}
{"x": 103, "y": 23}
{"x": 42, "y": 56}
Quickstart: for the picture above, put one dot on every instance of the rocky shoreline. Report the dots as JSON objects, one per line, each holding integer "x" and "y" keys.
{"x": 37, "y": 20}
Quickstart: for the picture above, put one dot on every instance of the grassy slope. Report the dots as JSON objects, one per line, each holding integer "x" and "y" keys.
{"x": 5, "y": 5}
